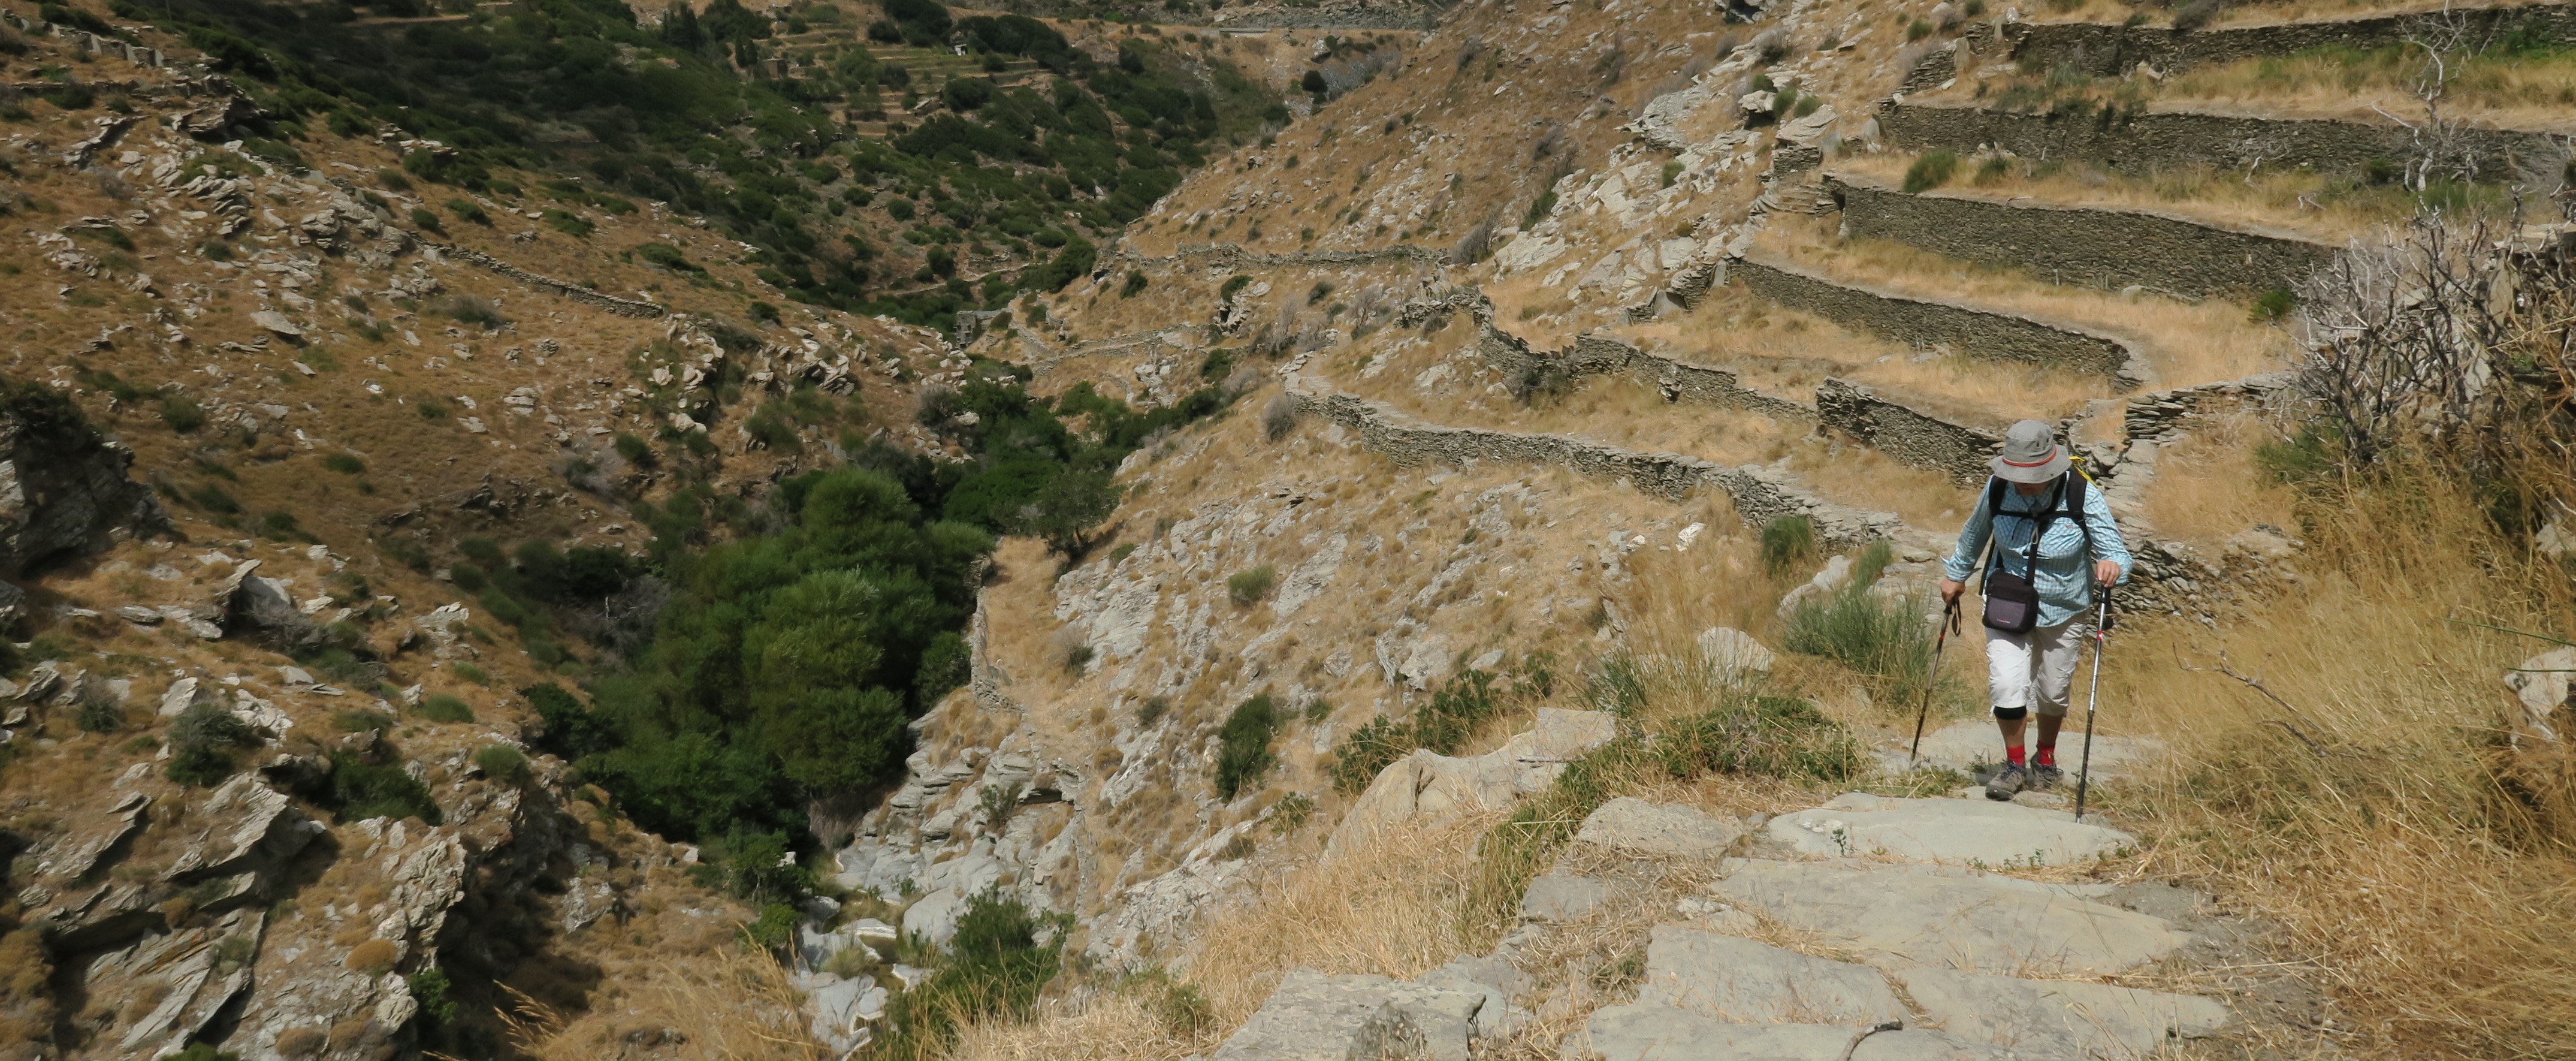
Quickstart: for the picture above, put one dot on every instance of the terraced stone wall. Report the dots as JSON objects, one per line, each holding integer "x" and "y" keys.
{"x": 1759, "y": 494}
{"x": 1970, "y": 331}
{"x": 2151, "y": 141}
{"x": 2105, "y": 49}
{"x": 1593, "y": 355}
{"x": 1913, "y": 437}
{"x": 2081, "y": 245}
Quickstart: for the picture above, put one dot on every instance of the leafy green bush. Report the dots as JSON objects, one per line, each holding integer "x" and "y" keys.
{"x": 2273, "y": 305}
{"x": 1250, "y": 587}
{"x": 344, "y": 464}
{"x": 1134, "y": 286}
{"x": 994, "y": 966}
{"x": 1931, "y": 171}
{"x": 668, "y": 257}
{"x": 358, "y": 790}
{"x": 1442, "y": 724}
{"x": 1243, "y": 744}
{"x": 99, "y": 716}
{"x": 422, "y": 218}
{"x": 182, "y": 414}
{"x": 503, "y": 763}
{"x": 467, "y": 211}
{"x": 1788, "y": 542}
{"x": 1886, "y": 641}
{"x": 203, "y": 739}
{"x": 442, "y": 707}
{"x": 568, "y": 223}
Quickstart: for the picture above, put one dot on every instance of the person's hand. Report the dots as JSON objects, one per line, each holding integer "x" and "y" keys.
{"x": 1950, "y": 592}
{"x": 2106, "y": 572}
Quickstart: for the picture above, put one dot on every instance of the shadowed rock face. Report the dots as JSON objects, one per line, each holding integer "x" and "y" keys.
{"x": 63, "y": 486}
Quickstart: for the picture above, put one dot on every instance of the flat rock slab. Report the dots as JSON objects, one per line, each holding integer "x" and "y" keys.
{"x": 1315, "y": 1017}
{"x": 1647, "y": 1032}
{"x": 1965, "y": 746}
{"x": 1906, "y": 916}
{"x": 1563, "y": 897}
{"x": 1740, "y": 980}
{"x": 2059, "y": 1018}
{"x": 1631, "y": 824}
{"x": 1964, "y": 831}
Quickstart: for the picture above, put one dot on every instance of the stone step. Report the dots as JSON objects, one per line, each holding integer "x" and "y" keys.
{"x": 2103, "y": 246}
{"x": 2175, "y": 135}
{"x": 1955, "y": 831}
{"x": 2060, "y": 1018}
{"x": 1985, "y": 334}
{"x": 2110, "y": 49}
{"x": 1647, "y": 1032}
{"x": 1904, "y": 916}
{"x": 1316, "y": 1017}
{"x": 1737, "y": 979}
{"x": 1634, "y": 826}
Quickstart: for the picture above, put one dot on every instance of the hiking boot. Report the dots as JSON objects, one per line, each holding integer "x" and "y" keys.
{"x": 2045, "y": 776}
{"x": 2012, "y": 778}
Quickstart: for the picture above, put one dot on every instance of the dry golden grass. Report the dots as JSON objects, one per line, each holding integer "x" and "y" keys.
{"x": 1870, "y": 479}
{"x": 2521, "y": 92}
{"x": 2252, "y": 13}
{"x": 2317, "y": 206}
{"x": 2186, "y": 343}
{"x": 726, "y": 1005}
{"x": 2209, "y": 488}
{"x": 2366, "y": 799}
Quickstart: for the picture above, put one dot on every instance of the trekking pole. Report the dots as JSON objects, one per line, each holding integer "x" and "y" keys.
{"x": 1941, "y": 636}
{"x": 2101, "y": 635}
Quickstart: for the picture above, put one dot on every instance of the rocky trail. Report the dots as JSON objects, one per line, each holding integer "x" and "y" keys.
{"x": 1868, "y": 928}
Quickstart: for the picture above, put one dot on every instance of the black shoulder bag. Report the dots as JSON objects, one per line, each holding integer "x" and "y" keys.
{"x": 2012, "y": 601}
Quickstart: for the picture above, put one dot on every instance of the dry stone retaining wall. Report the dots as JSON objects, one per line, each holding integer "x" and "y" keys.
{"x": 2154, "y": 140}
{"x": 2104, "y": 49}
{"x": 1979, "y": 333}
{"x": 1233, "y": 256}
{"x": 1759, "y": 494}
{"x": 2071, "y": 244}
{"x": 1912, "y": 437}
{"x": 623, "y": 307}
{"x": 1593, "y": 355}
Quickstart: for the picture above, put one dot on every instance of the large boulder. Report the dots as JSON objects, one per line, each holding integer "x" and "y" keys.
{"x": 1649, "y": 1032}
{"x": 63, "y": 486}
{"x": 2543, "y": 685}
{"x": 1428, "y": 787}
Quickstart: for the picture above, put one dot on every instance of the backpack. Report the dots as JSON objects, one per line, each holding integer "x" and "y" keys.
{"x": 2012, "y": 601}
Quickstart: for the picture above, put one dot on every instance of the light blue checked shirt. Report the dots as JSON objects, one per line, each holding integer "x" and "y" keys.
{"x": 2064, "y": 580}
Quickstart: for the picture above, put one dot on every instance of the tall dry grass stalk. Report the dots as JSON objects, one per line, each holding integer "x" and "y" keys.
{"x": 2367, "y": 798}
{"x": 2211, "y": 488}
{"x": 726, "y": 1005}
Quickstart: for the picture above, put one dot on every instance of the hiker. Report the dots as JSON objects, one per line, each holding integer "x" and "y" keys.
{"x": 2038, "y": 595}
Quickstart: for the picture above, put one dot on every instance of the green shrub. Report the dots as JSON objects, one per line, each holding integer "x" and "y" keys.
{"x": 467, "y": 211}
{"x": 1788, "y": 543}
{"x": 430, "y": 409}
{"x": 182, "y": 414}
{"x": 421, "y": 217}
{"x": 429, "y": 989}
{"x": 994, "y": 966}
{"x": 1243, "y": 744}
{"x": 99, "y": 716}
{"x": 441, "y": 707}
{"x": 344, "y": 464}
{"x": 1454, "y": 713}
{"x": 1134, "y": 286}
{"x": 2273, "y": 305}
{"x": 358, "y": 790}
{"x": 502, "y": 762}
{"x": 1887, "y": 642}
{"x": 1250, "y": 587}
{"x": 569, "y": 224}
{"x": 1918, "y": 29}
{"x": 668, "y": 257}
{"x": 1931, "y": 171}
{"x": 1361, "y": 755}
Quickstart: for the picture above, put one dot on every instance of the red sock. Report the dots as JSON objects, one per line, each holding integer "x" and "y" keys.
{"x": 2048, "y": 755}
{"x": 2013, "y": 754}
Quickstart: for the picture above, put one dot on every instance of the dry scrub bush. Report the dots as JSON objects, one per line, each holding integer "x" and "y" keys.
{"x": 725, "y": 1004}
{"x": 2377, "y": 810}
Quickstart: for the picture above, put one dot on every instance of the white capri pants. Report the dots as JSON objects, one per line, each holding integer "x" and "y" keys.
{"x": 2034, "y": 670}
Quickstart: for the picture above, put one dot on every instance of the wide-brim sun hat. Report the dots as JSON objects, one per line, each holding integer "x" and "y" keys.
{"x": 2031, "y": 454}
